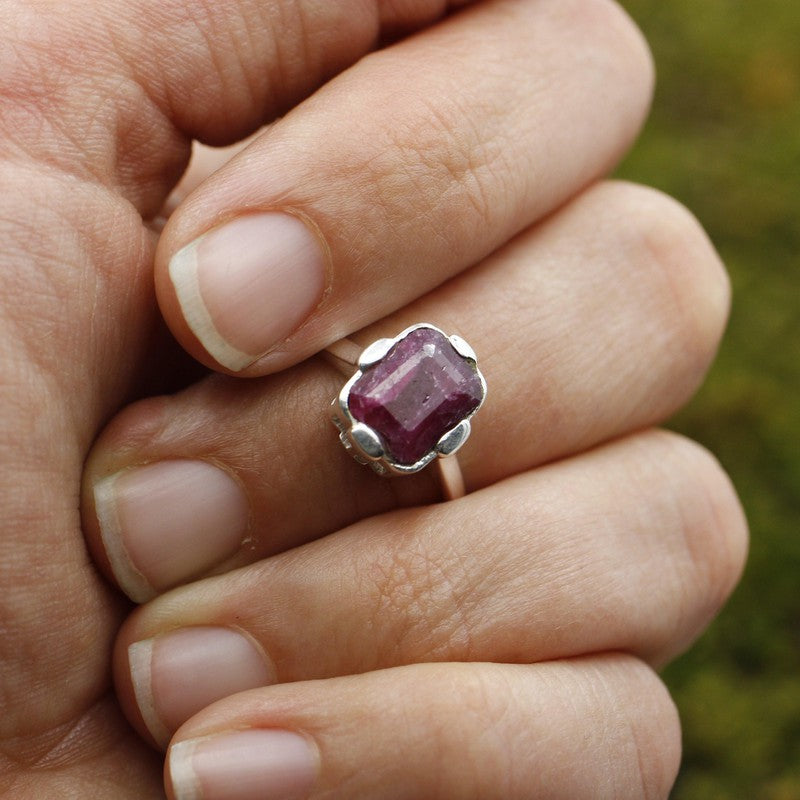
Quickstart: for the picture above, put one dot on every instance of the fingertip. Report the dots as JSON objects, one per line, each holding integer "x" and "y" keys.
{"x": 181, "y": 778}
{"x": 165, "y": 675}
{"x": 184, "y": 276}
{"x": 241, "y": 289}
{"x": 243, "y": 765}
{"x": 130, "y": 664}
{"x": 130, "y": 580}
{"x": 171, "y": 312}
{"x": 140, "y": 671}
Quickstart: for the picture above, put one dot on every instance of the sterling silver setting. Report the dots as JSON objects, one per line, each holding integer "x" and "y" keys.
{"x": 365, "y": 444}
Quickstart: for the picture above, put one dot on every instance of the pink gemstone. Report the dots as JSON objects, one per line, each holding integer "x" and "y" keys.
{"x": 415, "y": 394}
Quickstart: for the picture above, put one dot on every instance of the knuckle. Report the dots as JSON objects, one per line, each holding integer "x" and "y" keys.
{"x": 50, "y": 78}
{"x": 425, "y": 600}
{"x": 617, "y": 707}
{"x": 436, "y": 170}
{"x": 605, "y": 24}
{"x": 653, "y": 732}
{"x": 665, "y": 243}
{"x": 711, "y": 530}
{"x": 480, "y": 694}
{"x": 479, "y": 698}
{"x": 715, "y": 529}
{"x": 631, "y": 42}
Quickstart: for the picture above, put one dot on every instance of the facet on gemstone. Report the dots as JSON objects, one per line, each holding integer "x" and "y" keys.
{"x": 421, "y": 389}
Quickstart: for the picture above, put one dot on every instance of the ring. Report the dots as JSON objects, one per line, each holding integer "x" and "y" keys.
{"x": 409, "y": 402}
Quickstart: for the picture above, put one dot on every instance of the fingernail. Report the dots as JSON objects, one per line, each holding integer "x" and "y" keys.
{"x": 177, "y": 674}
{"x": 167, "y": 522}
{"x": 246, "y": 765}
{"x": 247, "y": 285}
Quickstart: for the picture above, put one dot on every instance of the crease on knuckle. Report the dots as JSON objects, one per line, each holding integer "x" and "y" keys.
{"x": 85, "y": 736}
{"x": 58, "y": 256}
{"x": 650, "y": 781}
{"x": 655, "y": 746}
{"x": 240, "y": 86}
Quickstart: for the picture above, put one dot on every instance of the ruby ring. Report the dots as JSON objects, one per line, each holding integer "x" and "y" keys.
{"x": 409, "y": 402}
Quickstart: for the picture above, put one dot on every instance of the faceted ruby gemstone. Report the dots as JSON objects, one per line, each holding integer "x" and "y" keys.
{"x": 416, "y": 393}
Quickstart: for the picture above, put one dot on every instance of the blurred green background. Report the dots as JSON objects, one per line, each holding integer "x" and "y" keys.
{"x": 724, "y": 138}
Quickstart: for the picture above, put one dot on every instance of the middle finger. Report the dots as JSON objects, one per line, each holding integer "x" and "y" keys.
{"x": 406, "y": 169}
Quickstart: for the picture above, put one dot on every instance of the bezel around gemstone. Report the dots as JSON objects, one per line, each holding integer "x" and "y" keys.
{"x": 365, "y": 444}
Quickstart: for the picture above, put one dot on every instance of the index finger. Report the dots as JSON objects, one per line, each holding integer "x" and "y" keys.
{"x": 403, "y": 171}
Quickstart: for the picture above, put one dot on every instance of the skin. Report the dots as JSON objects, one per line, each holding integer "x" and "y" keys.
{"x": 99, "y": 103}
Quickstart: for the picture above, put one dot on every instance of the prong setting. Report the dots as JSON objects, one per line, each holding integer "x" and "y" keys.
{"x": 375, "y": 352}
{"x": 454, "y": 439}
{"x": 463, "y": 348}
{"x": 366, "y": 443}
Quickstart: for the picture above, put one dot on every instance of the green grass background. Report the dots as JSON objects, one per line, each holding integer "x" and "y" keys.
{"x": 724, "y": 138}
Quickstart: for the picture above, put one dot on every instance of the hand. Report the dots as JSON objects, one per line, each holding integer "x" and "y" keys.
{"x": 409, "y": 176}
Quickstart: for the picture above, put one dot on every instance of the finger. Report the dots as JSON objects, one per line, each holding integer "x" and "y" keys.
{"x": 205, "y": 161}
{"x": 334, "y": 217}
{"x": 633, "y": 547}
{"x": 138, "y": 79}
{"x": 598, "y": 728}
{"x": 600, "y": 321}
